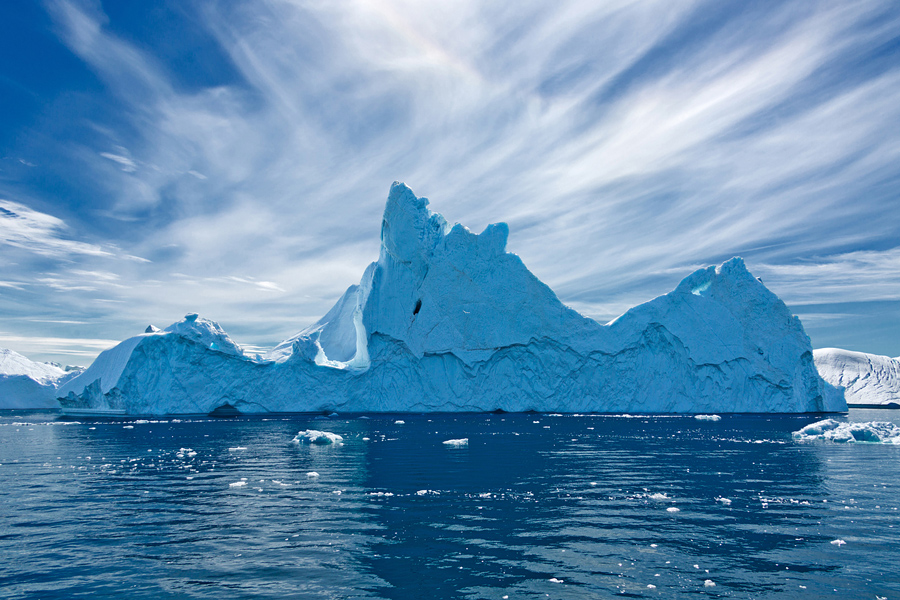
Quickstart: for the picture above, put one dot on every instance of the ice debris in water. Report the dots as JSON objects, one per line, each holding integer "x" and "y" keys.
{"x": 708, "y": 417}
{"x": 725, "y": 501}
{"x": 835, "y": 431}
{"x": 457, "y": 443}
{"x": 838, "y": 543}
{"x": 312, "y": 436}
{"x": 658, "y": 496}
{"x": 238, "y": 484}
{"x": 312, "y": 474}
{"x": 709, "y": 583}
{"x": 672, "y": 509}
{"x": 399, "y": 422}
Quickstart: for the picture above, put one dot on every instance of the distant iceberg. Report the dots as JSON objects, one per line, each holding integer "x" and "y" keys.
{"x": 869, "y": 380}
{"x": 448, "y": 320}
{"x": 25, "y": 384}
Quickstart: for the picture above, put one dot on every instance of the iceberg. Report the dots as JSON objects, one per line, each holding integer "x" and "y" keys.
{"x": 312, "y": 436}
{"x": 878, "y": 432}
{"x": 25, "y": 384}
{"x": 448, "y": 320}
{"x": 869, "y": 380}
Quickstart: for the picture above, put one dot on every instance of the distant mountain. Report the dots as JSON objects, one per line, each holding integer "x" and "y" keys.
{"x": 448, "y": 320}
{"x": 868, "y": 379}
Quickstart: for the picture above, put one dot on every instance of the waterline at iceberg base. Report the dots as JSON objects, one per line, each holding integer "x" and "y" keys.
{"x": 447, "y": 320}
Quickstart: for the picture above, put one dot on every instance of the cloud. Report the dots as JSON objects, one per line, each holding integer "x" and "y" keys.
{"x": 40, "y": 233}
{"x": 625, "y": 143}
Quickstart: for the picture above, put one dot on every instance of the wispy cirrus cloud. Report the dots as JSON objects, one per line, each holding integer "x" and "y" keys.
{"x": 625, "y": 143}
{"x": 40, "y": 233}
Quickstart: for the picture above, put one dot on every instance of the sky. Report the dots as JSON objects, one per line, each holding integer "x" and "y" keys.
{"x": 233, "y": 158}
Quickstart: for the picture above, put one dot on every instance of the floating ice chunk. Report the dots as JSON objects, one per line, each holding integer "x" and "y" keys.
{"x": 457, "y": 443}
{"x": 236, "y": 448}
{"x": 127, "y": 426}
{"x": 725, "y": 501}
{"x": 709, "y": 583}
{"x": 427, "y": 493}
{"x": 835, "y": 431}
{"x": 555, "y": 580}
{"x": 650, "y": 586}
{"x": 399, "y": 422}
{"x": 658, "y": 496}
{"x": 312, "y": 436}
{"x": 672, "y": 509}
{"x": 312, "y": 474}
{"x": 838, "y": 543}
{"x": 237, "y": 484}
{"x": 708, "y": 417}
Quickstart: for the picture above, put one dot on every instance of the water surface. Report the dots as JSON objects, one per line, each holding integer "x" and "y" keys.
{"x": 535, "y": 506}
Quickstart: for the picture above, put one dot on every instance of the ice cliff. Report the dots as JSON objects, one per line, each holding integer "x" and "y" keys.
{"x": 25, "y": 384}
{"x": 447, "y": 320}
{"x": 868, "y": 379}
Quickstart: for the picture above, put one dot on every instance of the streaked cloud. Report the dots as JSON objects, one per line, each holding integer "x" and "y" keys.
{"x": 626, "y": 144}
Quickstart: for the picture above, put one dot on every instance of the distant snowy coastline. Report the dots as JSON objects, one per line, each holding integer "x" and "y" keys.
{"x": 448, "y": 320}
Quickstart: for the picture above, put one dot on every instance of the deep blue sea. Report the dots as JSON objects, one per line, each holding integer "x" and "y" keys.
{"x": 535, "y": 506}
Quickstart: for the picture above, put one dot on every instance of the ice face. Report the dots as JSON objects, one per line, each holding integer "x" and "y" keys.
{"x": 447, "y": 320}
{"x": 868, "y": 379}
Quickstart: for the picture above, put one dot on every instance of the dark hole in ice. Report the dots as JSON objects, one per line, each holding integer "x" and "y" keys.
{"x": 418, "y": 306}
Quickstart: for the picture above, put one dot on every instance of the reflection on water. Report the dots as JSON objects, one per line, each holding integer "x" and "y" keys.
{"x": 534, "y": 506}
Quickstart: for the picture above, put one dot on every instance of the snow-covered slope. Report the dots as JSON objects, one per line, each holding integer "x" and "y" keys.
{"x": 27, "y": 384}
{"x": 447, "y": 320}
{"x": 868, "y": 379}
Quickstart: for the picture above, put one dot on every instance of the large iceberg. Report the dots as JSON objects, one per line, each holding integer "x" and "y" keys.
{"x": 448, "y": 320}
{"x": 869, "y": 380}
{"x": 25, "y": 384}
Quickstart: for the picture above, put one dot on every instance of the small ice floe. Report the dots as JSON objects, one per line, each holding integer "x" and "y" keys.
{"x": 238, "y": 484}
{"x": 834, "y": 431}
{"x": 312, "y": 436}
{"x": 709, "y": 583}
{"x": 554, "y": 579}
{"x": 658, "y": 496}
{"x": 237, "y": 448}
{"x": 312, "y": 474}
{"x": 399, "y": 422}
{"x": 672, "y": 509}
{"x": 708, "y": 417}
{"x": 650, "y": 586}
{"x": 182, "y": 452}
{"x": 333, "y": 415}
{"x": 427, "y": 493}
{"x": 457, "y": 443}
{"x": 127, "y": 426}
{"x": 724, "y": 501}
{"x": 838, "y": 543}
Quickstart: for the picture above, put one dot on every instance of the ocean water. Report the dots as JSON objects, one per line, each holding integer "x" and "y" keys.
{"x": 534, "y": 506}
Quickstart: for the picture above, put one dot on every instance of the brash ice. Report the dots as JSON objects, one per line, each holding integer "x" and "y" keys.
{"x": 448, "y": 320}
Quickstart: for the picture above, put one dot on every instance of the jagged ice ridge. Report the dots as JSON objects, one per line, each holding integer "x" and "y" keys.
{"x": 447, "y": 320}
